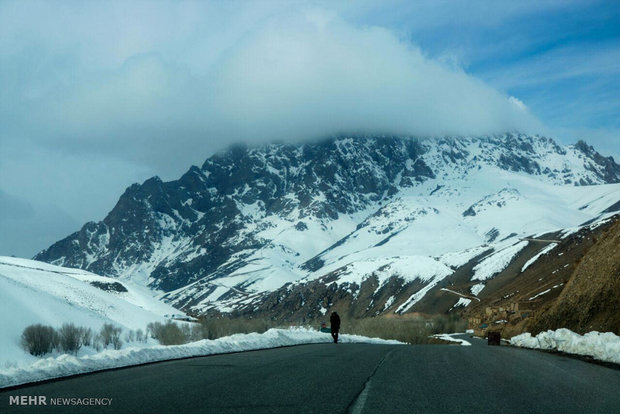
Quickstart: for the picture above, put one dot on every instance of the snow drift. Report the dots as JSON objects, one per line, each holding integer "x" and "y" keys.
{"x": 602, "y": 346}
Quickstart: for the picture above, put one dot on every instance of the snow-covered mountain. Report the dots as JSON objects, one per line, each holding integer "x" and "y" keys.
{"x": 396, "y": 214}
{"x": 34, "y": 292}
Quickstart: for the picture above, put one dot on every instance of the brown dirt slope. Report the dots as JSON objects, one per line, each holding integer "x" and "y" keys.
{"x": 590, "y": 301}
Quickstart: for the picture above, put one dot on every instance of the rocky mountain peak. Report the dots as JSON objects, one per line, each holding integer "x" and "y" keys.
{"x": 227, "y": 214}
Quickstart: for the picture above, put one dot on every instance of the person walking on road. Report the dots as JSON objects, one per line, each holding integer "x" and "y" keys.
{"x": 335, "y": 326}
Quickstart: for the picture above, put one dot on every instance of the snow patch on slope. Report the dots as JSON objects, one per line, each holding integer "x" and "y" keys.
{"x": 477, "y": 288}
{"x": 496, "y": 262}
{"x": 409, "y": 268}
{"x": 545, "y": 250}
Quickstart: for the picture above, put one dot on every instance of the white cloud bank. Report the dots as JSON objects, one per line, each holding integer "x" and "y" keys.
{"x": 293, "y": 75}
{"x": 314, "y": 74}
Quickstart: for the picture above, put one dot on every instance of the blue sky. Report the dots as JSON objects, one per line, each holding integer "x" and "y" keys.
{"x": 98, "y": 95}
{"x": 561, "y": 57}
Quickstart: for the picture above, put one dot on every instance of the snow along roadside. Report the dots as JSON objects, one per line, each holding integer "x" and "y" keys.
{"x": 602, "y": 346}
{"x": 449, "y": 338}
{"x": 66, "y": 365}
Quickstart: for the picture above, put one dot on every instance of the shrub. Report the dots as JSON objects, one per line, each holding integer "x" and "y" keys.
{"x": 410, "y": 329}
{"x": 140, "y": 336}
{"x": 169, "y": 333}
{"x": 87, "y": 336}
{"x": 218, "y": 327}
{"x": 70, "y": 338}
{"x": 448, "y": 324}
{"x": 116, "y": 341}
{"x": 98, "y": 342}
{"x": 39, "y": 339}
{"x": 196, "y": 332}
{"x": 203, "y": 330}
{"x": 186, "y": 330}
{"x": 406, "y": 329}
{"x": 130, "y": 336}
{"x": 110, "y": 334}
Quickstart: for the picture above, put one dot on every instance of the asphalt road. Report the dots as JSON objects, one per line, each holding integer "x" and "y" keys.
{"x": 358, "y": 378}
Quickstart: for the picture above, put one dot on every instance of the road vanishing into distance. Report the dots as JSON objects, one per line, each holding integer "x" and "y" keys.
{"x": 346, "y": 378}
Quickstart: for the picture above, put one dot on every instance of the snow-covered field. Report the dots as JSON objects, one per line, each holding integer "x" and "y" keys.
{"x": 65, "y": 365}
{"x": 33, "y": 292}
{"x": 602, "y": 346}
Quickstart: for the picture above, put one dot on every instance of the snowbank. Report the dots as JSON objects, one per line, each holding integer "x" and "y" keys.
{"x": 65, "y": 365}
{"x": 601, "y": 346}
{"x": 450, "y": 338}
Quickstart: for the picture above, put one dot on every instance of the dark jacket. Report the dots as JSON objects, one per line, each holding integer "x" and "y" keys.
{"x": 335, "y": 321}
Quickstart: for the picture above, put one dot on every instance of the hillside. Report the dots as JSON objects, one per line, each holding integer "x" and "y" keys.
{"x": 590, "y": 298}
{"x": 33, "y": 292}
{"x": 572, "y": 283}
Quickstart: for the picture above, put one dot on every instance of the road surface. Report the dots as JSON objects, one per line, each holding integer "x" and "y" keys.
{"x": 355, "y": 378}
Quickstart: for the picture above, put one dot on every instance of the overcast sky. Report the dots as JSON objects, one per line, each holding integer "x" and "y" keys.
{"x": 95, "y": 96}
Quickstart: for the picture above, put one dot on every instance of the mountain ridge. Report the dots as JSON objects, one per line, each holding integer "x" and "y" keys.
{"x": 275, "y": 213}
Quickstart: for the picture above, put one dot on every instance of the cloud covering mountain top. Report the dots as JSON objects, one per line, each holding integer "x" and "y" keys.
{"x": 297, "y": 74}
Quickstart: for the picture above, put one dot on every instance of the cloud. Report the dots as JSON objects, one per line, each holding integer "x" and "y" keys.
{"x": 46, "y": 194}
{"x": 29, "y": 225}
{"x": 315, "y": 74}
{"x": 12, "y": 207}
{"x": 293, "y": 76}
